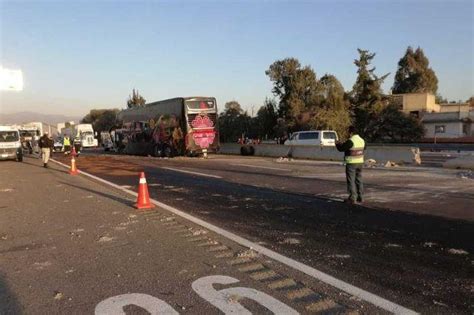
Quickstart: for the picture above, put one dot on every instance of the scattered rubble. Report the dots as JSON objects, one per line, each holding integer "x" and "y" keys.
{"x": 466, "y": 174}
{"x": 391, "y": 164}
{"x": 339, "y": 256}
{"x": 393, "y": 245}
{"x": 370, "y": 163}
{"x": 58, "y": 295}
{"x": 250, "y": 253}
{"x": 283, "y": 159}
{"x": 291, "y": 241}
{"x": 103, "y": 239}
{"x": 457, "y": 251}
{"x": 41, "y": 265}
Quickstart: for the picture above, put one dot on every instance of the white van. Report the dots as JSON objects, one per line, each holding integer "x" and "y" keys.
{"x": 10, "y": 145}
{"x": 313, "y": 137}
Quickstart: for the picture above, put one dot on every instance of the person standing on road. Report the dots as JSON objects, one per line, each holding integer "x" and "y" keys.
{"x": 46, "y": 145}
{"x": 353, "y": 150}
{"x": 67, "y": 145}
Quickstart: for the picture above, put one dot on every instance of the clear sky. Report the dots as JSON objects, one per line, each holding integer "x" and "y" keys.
{"x": 79, "y": 55}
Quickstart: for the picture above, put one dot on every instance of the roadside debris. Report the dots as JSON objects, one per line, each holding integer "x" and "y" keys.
{"x": 391, "y": 164}
{"x": 103, "y": 239}
{"x": 283, "y": 159}
{"x": 250, "y": 253}
{"x": 393, "y": 245}
{"x": 370, "y": 163}
{"x": 291, "y": 241}
{"x": 199, "y": 232}
{"x": 457, "y": 251}
{"x": 41, "y": 265}
{"x": 466, "y": 174}
{"x": 339, "y": 256}
{"x": 58, "y": 295}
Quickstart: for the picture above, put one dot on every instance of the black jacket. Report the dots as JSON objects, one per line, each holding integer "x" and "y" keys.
{"x": 345, "y": 147}
{"x": 45, "y": 142}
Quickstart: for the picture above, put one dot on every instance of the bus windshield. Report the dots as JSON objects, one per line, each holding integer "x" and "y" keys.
{"x": 200, "y": 104}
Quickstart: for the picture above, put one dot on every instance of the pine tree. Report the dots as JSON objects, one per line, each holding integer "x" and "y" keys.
{"x": 135, "y": 100}
{"x": 366, "y": 97}
{"x": 414, "y": 74}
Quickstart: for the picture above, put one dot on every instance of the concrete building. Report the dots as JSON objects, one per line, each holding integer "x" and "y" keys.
{"x": 449, "y": 124}
{"x": 447, "y": 120}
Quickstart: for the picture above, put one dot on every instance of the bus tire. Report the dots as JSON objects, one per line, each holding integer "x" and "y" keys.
{"x": 247, "y": 150}
{"x": 157, "y": 151}
{"x": 167, "y": 151}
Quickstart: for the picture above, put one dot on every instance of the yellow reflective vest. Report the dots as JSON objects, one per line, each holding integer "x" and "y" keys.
{"x": 67, "y": 142}
{"x": 356, "y": 153}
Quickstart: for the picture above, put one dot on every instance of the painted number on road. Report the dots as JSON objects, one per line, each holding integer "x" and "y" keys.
{"x": 225, "y": 299}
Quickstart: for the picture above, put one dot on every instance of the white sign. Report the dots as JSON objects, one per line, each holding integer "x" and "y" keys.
{"x": 11, "y": 80}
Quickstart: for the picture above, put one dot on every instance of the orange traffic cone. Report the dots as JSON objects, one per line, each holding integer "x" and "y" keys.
{"x": 143, "y": 199}
{"x": 73, "y": 170}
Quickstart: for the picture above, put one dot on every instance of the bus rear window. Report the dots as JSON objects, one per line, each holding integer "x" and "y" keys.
{"x": 200, "y": 104}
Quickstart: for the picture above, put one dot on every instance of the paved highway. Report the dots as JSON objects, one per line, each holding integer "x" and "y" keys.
{"x": 74, "y": 245}
{"x": 391, "y": 248}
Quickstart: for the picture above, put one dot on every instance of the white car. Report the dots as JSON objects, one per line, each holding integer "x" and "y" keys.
{"x": 313, "y": 137}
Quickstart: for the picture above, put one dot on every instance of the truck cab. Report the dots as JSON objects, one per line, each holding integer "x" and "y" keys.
{"x": 86, "y": 134}
{"x": 10, "y": 144}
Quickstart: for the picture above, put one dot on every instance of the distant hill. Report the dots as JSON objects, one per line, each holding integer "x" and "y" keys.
{"x": 22, "y": 117}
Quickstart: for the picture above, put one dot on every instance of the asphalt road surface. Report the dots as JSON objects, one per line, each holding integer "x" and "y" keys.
{"x": 416, "y": 252}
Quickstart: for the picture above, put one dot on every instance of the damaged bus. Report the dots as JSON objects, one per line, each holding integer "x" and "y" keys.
{"x": 177, "y": 126}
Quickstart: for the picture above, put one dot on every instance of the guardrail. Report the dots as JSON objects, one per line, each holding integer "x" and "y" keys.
{"x": 399, "y": 154}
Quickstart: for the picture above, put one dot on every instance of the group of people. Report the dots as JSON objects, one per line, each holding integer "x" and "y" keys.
{"x": 46, "y": 145}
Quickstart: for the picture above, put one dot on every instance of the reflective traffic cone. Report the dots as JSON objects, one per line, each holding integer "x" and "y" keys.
{"x": 143, "y": 199}
{"x": 73, "y": 170}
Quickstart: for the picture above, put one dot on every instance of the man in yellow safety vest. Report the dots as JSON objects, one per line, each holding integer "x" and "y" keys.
{"x": 353, "y": 150}
{"x": 67, "y": 145}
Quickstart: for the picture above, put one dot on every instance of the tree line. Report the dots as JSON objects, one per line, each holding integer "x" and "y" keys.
{"x": 304, "y": 102}
{"x": 301, "y": 101}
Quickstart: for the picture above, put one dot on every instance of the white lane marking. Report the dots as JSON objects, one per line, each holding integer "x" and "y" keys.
{"x": 264, "y": 167}
{"x": 114, "y": 305}
{"x": 190, "y": 172}
{"x": 226, "y": 299}
{"x": 315, "y": 273}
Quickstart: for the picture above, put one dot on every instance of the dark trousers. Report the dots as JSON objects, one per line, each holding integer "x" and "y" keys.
{"x": 355, "y": 187}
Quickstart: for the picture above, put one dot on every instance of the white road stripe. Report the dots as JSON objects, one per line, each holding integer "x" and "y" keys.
{"x": 265, "y": 167}
{"x": 190, "y": 172}
{"x": 315, "y": 273}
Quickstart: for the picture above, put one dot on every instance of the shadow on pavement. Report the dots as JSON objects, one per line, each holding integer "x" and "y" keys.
{"x": 49, "y": 168}
{"x": 8, "y": 301}
{"x": 124, "y": 201}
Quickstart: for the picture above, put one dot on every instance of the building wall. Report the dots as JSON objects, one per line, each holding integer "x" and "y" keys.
{"x": 446, "y": 108}
{"x": 421, "y": 102}
{"x": 452, "y": 129}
